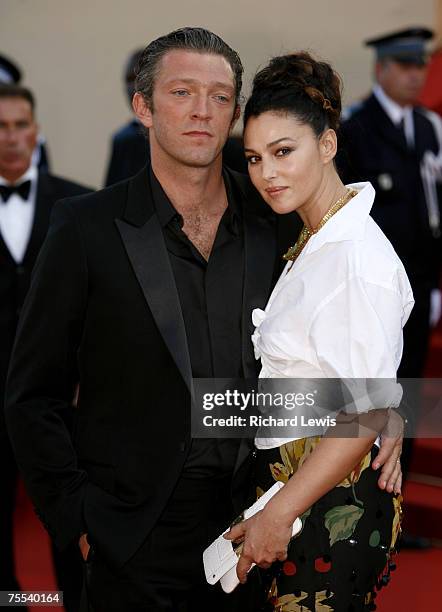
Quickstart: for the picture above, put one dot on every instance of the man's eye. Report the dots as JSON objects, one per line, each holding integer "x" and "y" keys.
{"x": 180, "y": 93}
{"x": 223, "y": 99}
{"x": 252, "y": 159}
{"x": 283, "y": 151}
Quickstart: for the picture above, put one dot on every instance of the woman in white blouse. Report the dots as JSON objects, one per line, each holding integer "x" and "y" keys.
{"x": 337, "y": 311}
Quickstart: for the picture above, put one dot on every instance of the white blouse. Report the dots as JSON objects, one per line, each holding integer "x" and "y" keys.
{"x": 339, "y": 310}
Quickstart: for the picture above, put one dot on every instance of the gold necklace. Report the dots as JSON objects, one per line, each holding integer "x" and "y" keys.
{"x": 306, "y": 233}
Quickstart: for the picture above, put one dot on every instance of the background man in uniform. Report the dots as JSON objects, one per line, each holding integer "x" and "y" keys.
{"x": 26, "y": 199}
{"x": 390, "y": 141}
{"x": 386, "y": 140}
{"x": 143, "y": 286}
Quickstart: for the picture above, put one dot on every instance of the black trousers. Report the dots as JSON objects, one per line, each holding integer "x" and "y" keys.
{"x": 166, "y": 573}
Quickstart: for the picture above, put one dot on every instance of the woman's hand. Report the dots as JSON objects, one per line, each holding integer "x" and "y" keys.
{"x": 84, "y": 546}
{"x": 265, "y": 538}
{"x": 389, "y": 454}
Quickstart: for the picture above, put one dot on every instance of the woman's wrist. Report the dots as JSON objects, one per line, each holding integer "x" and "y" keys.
{"x": 280, "y": 512}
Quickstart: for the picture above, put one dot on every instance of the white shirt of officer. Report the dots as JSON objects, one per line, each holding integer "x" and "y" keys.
{"x": 396, "y": 113}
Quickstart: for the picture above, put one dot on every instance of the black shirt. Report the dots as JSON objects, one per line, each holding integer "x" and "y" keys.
{"x": 210, "y": 294}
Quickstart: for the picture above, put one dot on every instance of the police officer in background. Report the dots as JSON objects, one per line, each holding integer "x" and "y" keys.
{"x": 397, "y": 145}
{"x": 390, "y": 141}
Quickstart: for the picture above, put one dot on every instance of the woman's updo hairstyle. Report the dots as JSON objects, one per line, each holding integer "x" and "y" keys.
{"x": 301, "y": 86}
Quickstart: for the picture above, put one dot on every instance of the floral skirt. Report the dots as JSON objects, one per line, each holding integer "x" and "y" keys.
{"x": 343, "y": 554}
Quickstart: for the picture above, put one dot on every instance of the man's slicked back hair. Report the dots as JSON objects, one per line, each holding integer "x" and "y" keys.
{"x": 199, "y": 40}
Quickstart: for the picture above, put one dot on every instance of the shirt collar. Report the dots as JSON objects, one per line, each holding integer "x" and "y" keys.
{"x": 348, "y": 223}
{"x": 29, "y": 175}
{"x": 163, "y": 206}
{"x": 394, "y": 111}
{"x": 167, "y": 212}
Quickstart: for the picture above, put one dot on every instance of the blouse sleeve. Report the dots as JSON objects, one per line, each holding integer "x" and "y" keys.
{"x": 356, "y": 336}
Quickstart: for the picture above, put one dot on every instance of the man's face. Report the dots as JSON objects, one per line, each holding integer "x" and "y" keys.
{"x": 18, "y": 137}
{"x": 403, "y": 82}
{"x": 193, "y": 108}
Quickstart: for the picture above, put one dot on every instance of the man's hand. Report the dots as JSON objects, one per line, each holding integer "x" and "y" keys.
{"x": 84, "y": 546}
{"x": 265, "y": 539}
{"x": 389, "y": 454}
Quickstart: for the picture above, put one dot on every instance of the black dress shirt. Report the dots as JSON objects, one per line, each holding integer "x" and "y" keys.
{"x": 210, "y": 294}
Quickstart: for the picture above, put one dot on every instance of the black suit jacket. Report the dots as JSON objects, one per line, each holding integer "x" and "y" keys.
{"x": 129, "y": 152}
{"x": 104, "y": 287}
{"x": 15, "y": 278}
{"x": 374, "y": 149}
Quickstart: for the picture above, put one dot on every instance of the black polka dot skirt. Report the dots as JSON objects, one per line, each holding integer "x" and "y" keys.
{"x": 344, "y": 554}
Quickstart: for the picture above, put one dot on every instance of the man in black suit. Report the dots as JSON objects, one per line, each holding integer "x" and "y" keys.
{"x": 26, "y": 200}
{"x": 390, "y": 141}
{"x": 143, "y": 286}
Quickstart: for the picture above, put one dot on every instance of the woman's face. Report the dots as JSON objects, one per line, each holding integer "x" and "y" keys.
{"x": 286, "y": 160}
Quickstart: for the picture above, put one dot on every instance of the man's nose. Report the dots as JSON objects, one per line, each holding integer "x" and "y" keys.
{"x": 201, "y": 108}
{"x": 11, "y": 136}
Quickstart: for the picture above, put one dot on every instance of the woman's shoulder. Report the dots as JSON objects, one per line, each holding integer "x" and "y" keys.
{"x": 380, "y": 255}
{"x": 371, "y": 258}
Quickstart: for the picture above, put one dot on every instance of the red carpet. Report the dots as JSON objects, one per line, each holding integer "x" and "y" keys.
{"x": 33, "y": 552}
{"x": 416, "y": 585}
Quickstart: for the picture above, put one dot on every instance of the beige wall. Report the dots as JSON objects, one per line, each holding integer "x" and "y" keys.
{"x": 73, "y": 52}
{"x": 438, "y": 22}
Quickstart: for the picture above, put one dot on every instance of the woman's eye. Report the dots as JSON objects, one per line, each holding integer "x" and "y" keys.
{"x": 252, "y": 159}
{"x": 283, "y": 151}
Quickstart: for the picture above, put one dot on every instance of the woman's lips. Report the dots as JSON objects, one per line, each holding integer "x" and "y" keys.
{"x": 274, "y": 191}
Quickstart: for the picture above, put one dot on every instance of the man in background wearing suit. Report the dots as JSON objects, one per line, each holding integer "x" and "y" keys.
{"x": 397, "y": 145}
{"x": 142, "y": 287}
{"x": 387, "y": 140}
{"x": 26, "y": 199}
{"x": 130, "y": 149}
{"x": 10, "y": 73}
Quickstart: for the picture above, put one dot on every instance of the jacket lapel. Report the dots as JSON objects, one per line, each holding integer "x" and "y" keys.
{"x": 383, "y": 124}
{"x": 259, "y": 263}
{"x": 143, "y": 240}
{"x": 43, "y": 203}
{"x": 5, "y": 255}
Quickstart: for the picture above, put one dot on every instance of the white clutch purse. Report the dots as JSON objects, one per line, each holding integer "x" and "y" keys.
{"x": 221, "y": 557}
